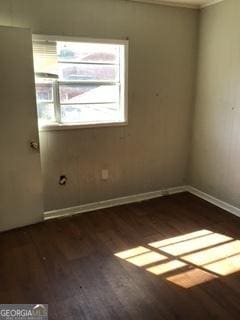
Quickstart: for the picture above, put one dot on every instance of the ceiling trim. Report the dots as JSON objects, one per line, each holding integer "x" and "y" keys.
{"x": 177, "y": 4}
{"x": 210, "y": 4}
{"x": 168, "y": 4}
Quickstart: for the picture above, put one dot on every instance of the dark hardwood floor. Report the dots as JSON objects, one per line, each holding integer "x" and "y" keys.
{"x": 83, "y": 269}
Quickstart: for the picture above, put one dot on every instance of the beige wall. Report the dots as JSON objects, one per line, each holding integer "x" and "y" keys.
{"x": 215, "y": 159}
{"x": 150, "y": 153}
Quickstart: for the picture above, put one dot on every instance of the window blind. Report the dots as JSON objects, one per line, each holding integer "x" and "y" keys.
{"x": 45, "y": 58}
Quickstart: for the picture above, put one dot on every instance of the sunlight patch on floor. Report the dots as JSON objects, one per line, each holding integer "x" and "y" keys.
{"x": 195, "y": 244}
{"x": 191, "y": 278}
{"x": 173, "y": 240}
{"x": 146, "y": 258}
{"x": 206, "y": 256}
{"x": 132, "y": 252}
{"x": 226, "y": 266}
{"x": 217, "y": 253}
{"x": 166, "y": 267}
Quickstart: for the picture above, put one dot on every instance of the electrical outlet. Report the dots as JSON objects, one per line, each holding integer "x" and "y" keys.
{"x": 105, "y": 174}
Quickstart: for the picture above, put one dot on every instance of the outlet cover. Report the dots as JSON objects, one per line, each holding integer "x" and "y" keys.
{"x": 105, "y": 174}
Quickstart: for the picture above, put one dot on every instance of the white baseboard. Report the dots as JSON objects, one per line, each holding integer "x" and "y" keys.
{"x": 217, "y": 202}
{"x": 112, "y": 203}
{"x": 138, "y": 198}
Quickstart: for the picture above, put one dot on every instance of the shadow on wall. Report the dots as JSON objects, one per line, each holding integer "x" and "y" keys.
{"x": 188, "y": 260}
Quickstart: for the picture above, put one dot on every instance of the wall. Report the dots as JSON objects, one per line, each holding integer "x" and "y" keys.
{"x": 215, "y": 157}
{"x": 151, "y": 153}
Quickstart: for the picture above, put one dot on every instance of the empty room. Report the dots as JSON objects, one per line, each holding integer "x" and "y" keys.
{"x": 119, "y": 159}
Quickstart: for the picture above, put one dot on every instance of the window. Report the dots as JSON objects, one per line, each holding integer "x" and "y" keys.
{"x": 80, "y": 82}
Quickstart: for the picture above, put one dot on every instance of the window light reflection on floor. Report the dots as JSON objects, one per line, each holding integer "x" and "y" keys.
{"x": 188, "y": 260}
{"x": 226, "y": 266}
{"x": 220, "y": 252}
{"x": 132, "y": 252}
{"x": 195, "y": 244}
{"x": 146, "y": 258}
{"x": 192, "y": 235}
{"x": 191, "y": 278}
{"x": 166, "y": 267}
{"x": 141, "y": 256}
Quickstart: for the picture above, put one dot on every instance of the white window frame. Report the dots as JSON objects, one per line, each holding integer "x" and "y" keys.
{"x": 123, "y": 81}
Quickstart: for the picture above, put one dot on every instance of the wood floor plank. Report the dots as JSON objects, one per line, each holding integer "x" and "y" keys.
{"x": 104, "y": 264}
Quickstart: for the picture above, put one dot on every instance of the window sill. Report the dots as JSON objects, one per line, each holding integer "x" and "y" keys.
{"x": 57, "y": 126}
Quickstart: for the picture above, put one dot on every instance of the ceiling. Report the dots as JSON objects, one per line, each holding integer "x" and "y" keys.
{"x": 196, "y": 4}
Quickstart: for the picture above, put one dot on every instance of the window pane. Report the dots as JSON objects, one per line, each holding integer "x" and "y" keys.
{"x": 87, "y": 52}
{"x": 88, "y": 72}
{"x": 90, "y": 113}
{"x": 44, "y": 92}
{"x": 79, "y": 93}
{"x": 45, "y": 113}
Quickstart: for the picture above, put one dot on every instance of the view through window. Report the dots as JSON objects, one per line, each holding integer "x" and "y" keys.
{"x": 80, "y": 82}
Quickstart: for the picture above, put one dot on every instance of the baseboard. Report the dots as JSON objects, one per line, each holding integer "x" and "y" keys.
{"x": 217, "y": 202}
{"x": 112, "y": 203}
{"x": 138, "y": 198}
